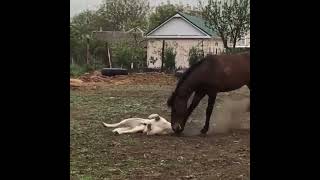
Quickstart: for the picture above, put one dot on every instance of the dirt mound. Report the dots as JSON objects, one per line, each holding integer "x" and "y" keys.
{"x": 135, "y": 78}
{"x": 75, "y": 83}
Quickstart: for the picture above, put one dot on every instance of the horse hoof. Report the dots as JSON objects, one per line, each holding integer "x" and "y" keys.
{"x": 204, "y": 131}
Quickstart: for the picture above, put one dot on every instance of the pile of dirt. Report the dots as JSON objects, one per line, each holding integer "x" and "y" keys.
{"x": 75, "y": 83}
{"x": 135, "y": 78}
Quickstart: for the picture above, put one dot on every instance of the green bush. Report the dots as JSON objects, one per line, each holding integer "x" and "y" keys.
{"x": 169, "y": 58}
{"x": 76, "y": 70}
{"x": 236, "y": 50}
{"x": 195, "y": 55}
{"x": 125, "y": 54}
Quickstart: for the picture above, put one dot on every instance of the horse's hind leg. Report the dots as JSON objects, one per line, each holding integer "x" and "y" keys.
{"x": 211, "y": 101}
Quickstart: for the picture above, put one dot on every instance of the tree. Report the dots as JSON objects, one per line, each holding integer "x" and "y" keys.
{"x": 126, "y": 53}
{"x": 81, "y": 27}
{"x": 164, "y": 11}
{"x": 161, "y": 13}
{"x": 125, "y": 14}
{"x": 230, "y": 19}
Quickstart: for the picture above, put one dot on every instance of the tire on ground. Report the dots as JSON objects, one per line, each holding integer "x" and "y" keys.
{"x": 114, "y": 71}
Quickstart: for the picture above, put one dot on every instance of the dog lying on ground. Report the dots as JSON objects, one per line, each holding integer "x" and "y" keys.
{"x": 154, "y": 125}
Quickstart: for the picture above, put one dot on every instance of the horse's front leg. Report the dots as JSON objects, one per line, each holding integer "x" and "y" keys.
{"x": 211, "y": 101}
{"x": 195, "y": 101}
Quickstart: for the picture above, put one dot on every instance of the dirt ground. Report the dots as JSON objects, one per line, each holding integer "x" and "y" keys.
{"x": 96, "y": 153}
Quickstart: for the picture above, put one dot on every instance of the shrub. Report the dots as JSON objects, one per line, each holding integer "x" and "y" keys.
{"x": 125, "y": 54}
{"x": 195, "y": 55}
{"x": 235, "y": 50}
{"x": 170, "y": 58}
{"x": 76, "y": 70}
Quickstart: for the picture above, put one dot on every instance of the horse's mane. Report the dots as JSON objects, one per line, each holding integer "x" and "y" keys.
{"x": 182, "y": 79}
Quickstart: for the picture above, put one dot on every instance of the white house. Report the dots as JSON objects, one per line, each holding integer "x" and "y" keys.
{"x": 182, "y": 32}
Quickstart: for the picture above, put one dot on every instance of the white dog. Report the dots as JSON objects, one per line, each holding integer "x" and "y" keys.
{"x": 154, "y": 125}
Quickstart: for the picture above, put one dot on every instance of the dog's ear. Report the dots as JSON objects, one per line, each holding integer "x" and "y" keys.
{"x": 151, "y": 116}
{"x": 157, "y": 118}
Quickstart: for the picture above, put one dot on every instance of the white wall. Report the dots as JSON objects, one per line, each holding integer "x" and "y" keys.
{"x": 182, "y": 48}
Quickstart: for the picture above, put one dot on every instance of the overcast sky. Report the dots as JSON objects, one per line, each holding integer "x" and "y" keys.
{"x": 76, "y": 6}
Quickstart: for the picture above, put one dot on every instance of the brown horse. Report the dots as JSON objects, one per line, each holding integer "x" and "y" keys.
{"x": 211, "y": 75}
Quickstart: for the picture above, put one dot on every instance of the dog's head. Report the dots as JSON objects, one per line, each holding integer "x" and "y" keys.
{"x": 157, "y": 125}
{"x": 154, "y": 116}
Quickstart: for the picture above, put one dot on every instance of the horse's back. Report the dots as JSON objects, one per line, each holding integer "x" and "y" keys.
{"x": 228, "y": 72}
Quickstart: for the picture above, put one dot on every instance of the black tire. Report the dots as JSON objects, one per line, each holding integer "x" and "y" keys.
{"x": 113, "y": 71}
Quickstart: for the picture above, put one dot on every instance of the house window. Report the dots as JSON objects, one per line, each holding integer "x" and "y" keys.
{"x": 216, "y": 44}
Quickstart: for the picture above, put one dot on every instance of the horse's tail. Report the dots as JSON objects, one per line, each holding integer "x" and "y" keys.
{"x": 111, "y": 125}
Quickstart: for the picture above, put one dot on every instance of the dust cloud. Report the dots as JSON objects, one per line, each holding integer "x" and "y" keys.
{"x": 230, "y": 115}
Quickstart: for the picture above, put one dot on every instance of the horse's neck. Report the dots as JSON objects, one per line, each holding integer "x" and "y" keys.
{"x": 185, "y": 90}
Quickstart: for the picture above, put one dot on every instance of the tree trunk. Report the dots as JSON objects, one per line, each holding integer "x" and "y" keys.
{"x": 87, "y": 58}
{"x": 234, "y": 42}
{"x": 162, "y": 55}
{"x": 225, "y": 43}
{"x": 235, "y": 38}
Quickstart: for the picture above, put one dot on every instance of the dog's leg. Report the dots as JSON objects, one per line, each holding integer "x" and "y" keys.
{"x": 119, "y": 130}
{"x": 125, "y": 122}
{"x": 133, "y": 130}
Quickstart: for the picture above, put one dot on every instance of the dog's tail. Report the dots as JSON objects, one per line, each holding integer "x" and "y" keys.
{"x": 111, "y": 125}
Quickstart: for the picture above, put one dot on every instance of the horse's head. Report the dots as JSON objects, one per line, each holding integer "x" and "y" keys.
{"x": 178, "y": 112}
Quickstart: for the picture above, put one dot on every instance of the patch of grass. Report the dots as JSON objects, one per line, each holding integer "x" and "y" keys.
{"x": 77, "y": 70}
{"x": 86, "y": 178}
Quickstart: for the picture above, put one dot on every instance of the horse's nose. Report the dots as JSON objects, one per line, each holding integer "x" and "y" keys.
{"x": 176, "y": 128}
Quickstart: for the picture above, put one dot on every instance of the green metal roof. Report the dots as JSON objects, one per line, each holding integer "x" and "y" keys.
{"x": 200, "y": 23}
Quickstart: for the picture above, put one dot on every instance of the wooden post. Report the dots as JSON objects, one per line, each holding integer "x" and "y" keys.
{"x": 108, "y": 54}
{"x": 88, "y": 50}
{"x": 162, "y": 55}
{"x": 109, "y": 57}
{"x": 202, "y": 49}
